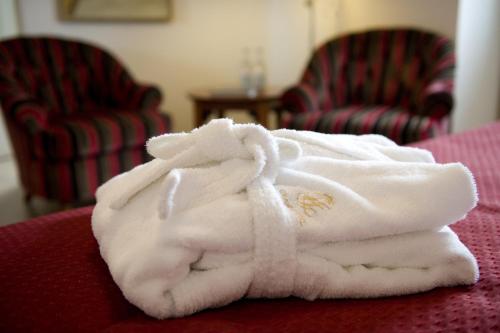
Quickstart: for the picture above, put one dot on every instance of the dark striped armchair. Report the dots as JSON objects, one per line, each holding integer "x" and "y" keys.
{"x": 394, "y": 82}
{"x": 75, "y": 116}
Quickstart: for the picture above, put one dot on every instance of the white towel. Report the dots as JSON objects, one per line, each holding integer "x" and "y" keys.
{"x": 230, "y": 211}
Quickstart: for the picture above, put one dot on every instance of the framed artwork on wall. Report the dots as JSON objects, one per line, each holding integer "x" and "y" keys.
{"x": 115, "y": 10}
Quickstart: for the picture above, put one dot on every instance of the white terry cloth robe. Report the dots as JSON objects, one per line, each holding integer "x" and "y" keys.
{"x": 230, "y": 211}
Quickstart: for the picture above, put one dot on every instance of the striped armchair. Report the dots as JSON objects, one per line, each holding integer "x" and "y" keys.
{"x": 394, "y": 82}
{"x": 75, "y": 116}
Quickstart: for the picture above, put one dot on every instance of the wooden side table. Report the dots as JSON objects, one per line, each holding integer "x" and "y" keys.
{"x": 220, "y": 100}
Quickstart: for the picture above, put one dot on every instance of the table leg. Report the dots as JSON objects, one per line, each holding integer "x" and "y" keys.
{"x": 262, "y": 113}
{"x": 199, "y": 115}
{"x": 279, "y": 115}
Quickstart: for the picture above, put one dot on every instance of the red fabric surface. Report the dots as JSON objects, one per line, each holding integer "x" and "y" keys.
{"x": 52, "y": 278}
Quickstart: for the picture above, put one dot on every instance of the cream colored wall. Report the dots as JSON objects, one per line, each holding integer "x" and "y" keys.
{"x": 8, "y": 18}
{"x": 435, "y": 15}
{"x": 202, "y": 45}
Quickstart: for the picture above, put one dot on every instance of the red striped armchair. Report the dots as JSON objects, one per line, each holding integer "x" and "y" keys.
{"x": 75, "y": 116}
{"x": 394, "y": 82}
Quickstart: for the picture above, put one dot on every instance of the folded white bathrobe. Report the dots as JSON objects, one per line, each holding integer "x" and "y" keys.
{"x": 230, "y": 211}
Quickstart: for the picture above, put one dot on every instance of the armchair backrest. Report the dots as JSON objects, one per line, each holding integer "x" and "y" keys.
{"x": 62, "y": 75}
{"x": 379, "y": 67}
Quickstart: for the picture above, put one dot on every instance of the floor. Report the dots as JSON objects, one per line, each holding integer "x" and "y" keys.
{"x": 12, "y": 206}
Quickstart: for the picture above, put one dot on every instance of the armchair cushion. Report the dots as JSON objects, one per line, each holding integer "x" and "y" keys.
{"x": 98, "y": 132}
{"x": 399, "y": 125}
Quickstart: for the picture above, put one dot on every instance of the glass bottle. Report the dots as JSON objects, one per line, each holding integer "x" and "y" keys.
{"x": 259, "y": 70}
{"x": 246, "y": 80}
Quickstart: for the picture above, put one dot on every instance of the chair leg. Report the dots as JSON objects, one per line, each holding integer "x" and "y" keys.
{"x": 28, "y": 202}
{"x": 27, "y": 198}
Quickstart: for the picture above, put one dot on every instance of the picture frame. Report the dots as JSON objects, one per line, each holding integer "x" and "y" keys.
{"x": 115, "y": 10}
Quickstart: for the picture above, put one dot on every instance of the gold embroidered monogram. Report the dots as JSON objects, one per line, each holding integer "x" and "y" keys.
{"x": 311, "y": 202}
{"x": 307, "y": 204}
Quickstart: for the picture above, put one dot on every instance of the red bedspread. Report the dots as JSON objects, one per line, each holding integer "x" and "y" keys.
{"x": 52, "y": 278}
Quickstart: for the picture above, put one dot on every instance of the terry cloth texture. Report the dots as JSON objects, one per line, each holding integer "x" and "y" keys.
{"x": 230, "y": 211}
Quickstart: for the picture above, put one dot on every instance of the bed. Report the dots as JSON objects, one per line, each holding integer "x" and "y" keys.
{"x": 52, "y": 278}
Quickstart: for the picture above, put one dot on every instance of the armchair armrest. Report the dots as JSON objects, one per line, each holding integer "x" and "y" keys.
{"x": 144, "y": 97}
{"x": 300, "y": 98}
{"x": 26, "y": 111}
{"x": 436, "y": 99}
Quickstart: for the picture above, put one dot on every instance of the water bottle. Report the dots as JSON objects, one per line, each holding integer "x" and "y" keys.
{"x": 246, "y": 79}
{"x": 259, "y": 71}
